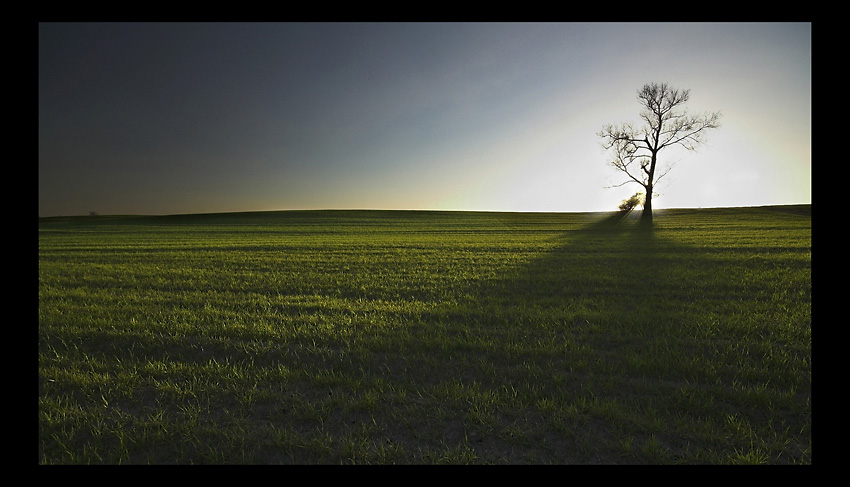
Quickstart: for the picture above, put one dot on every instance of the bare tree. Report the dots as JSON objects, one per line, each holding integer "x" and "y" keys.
{"x": 635, "y": 149}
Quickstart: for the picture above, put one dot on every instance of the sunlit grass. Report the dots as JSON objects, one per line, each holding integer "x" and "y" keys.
{"x": 426, "y": 337}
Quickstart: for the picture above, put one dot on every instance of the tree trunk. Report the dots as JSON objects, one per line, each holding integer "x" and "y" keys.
{"x": 646, "y": 216}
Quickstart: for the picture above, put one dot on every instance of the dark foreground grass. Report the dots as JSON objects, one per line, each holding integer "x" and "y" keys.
{"x": 426, "y": 337}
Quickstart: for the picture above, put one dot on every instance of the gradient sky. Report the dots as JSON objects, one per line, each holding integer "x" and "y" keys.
{"x": 201, "y": 118}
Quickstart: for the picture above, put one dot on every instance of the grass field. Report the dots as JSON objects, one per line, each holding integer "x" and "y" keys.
{"x": 360, "y": 337}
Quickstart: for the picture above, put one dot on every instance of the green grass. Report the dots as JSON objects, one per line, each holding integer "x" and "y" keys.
{"x": 361, "y": 337}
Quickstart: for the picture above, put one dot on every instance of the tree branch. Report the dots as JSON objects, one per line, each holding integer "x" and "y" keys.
{"x": 665, "y": 125}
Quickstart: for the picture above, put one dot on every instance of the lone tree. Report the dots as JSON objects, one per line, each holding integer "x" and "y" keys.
{"x": 635, "y": 149}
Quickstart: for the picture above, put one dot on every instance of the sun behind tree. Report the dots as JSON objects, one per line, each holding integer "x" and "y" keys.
{"x": 635, "y": 149}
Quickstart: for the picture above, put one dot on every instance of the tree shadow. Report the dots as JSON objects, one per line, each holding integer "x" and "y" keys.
{"x": 608, "y": 294}
{"x": 627, "y": 328}
{"x": 541, "y": 362}
{"x": 598, "y": 267}
{"x": 579, "y": 331}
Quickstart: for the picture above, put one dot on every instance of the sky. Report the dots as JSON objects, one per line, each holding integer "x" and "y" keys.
{"x": 175, "y": 118}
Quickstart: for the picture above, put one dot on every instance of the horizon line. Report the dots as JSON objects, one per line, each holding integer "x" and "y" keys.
{"x": 94, "y": 214}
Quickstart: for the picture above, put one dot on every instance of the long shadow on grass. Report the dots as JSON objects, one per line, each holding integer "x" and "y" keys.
{"x": 628, "y": 344}
{"x": 590, "y": 335}
{"x": 596, "y": 349}
{"x": 597, "y": 288}
{"x": 601, "y": 269}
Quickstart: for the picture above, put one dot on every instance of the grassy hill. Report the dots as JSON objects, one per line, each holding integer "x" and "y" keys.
{"x": 426, "y": 337}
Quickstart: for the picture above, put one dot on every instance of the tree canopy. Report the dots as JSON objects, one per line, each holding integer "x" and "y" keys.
{"x": 665, "y": 124}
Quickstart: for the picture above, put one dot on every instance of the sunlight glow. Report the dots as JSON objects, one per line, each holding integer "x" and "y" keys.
{"x": 498, "y": 117}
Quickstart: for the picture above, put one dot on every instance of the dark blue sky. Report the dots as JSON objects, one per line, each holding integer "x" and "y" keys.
{"x": 186, "y": 118}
